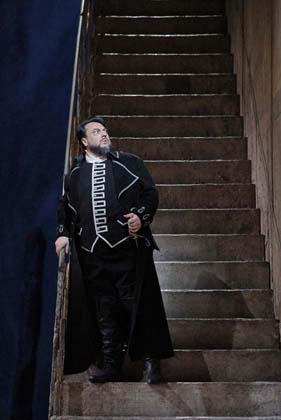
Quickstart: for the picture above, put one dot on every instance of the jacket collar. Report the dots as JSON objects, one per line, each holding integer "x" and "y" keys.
{"x": 124, "y": 177}
{"x": 113, "y": 155}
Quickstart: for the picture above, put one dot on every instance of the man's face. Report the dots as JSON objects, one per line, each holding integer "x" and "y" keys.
{"x": 97, "y": 139}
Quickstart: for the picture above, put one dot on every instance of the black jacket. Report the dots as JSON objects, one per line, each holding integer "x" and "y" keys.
{"x": 135, "y": 190}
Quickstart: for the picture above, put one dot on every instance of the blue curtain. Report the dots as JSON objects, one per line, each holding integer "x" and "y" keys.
{"x": 37, "y": 44}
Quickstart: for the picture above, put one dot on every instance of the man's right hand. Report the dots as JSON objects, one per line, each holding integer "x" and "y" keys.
{"x": 62, "y": 242}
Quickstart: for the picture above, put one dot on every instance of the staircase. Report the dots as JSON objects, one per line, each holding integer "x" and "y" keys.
{"x": 164, "y": 83}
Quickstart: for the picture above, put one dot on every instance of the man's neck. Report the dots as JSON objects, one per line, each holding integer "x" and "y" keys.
{"x": 92, "y": 157}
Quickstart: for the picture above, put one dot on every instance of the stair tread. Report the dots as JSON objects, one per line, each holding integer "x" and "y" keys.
{"x": 169, "y": 96}
{"x": 206, "y": 185}
{"x": 187, "y": 209}
{"x": 179, "y": 353}
{"x": 195, "y": 235}
{"x": 114, "y": 116}
{"x": 164, "y": 35}
{"x": 177, "y": 368}
{"x": 189, "y": 384}
{"x": 163, "y": 418}
{"x": 219, "y": 291}
{"x": 167, "y": 54}
{"x": 249, "y": 398}
{"x": 170, "y": 75}
{"x": 210, "y": 262}
{"x": 141, "y": 15}
{"x": 180, "y": 138}
{"x": 226, "y": 320}
{"x": 198, "y": 161}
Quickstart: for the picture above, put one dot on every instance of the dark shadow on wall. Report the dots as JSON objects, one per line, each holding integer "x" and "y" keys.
{"x": 37, "y": 45}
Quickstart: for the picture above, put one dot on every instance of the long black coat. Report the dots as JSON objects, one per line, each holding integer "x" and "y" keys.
{"x": 137, "y": 193}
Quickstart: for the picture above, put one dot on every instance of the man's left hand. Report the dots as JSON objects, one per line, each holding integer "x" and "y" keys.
{"x": 134, "y": 223}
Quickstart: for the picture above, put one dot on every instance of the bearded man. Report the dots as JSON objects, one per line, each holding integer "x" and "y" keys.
{"x": 108, "y": 205}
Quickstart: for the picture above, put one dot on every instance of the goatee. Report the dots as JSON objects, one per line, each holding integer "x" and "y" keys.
{"x": 100, "y": 150}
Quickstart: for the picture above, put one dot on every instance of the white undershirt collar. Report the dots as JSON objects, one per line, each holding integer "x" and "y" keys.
{"x": 91, "y": 158}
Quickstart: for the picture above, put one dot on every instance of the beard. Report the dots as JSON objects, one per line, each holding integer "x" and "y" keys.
{"x": 100, "y": 150}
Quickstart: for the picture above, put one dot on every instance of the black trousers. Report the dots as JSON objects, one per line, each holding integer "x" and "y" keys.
{"x": 109, "y": 277}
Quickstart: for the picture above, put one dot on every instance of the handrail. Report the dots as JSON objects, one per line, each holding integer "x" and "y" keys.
{"x": 55, "y": 400}
{"x": 73, "y": 88}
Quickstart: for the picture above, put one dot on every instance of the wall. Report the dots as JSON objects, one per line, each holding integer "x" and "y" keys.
{"x": 276, "y": 146}
{"x": 255, "y": 31}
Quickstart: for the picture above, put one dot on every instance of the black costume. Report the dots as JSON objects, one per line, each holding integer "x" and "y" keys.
{"x": 120, "y": 299}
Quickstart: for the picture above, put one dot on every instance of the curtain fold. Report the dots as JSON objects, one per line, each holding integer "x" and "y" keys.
{"x": 37, "y": 45}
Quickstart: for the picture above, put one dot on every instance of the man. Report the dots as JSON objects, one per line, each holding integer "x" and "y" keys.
{"x": 109, "y": 202}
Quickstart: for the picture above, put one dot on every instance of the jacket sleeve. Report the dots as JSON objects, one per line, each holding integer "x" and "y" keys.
{"x": 64, "y": 220}
{"x": 149, "y": 197}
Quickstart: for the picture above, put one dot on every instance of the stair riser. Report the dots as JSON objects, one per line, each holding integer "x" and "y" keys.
{"x": 222, "y": 63}
{"x": 218, "y": 304}
{"x": 188, "y": 105}
{"x": 173, "y": 399}
{"x": 175, "y": 126}
{"x": 230, "y": 275}
{"x": 159, "y": 8}
{"x": 176, "y": 25}
{"x": 200, "y": 172}
{"x": 224, "y": 334}
{"x": 207, "y": 221}
{"x": 165, "y": 84}
{"x": 180, "y": 148}
{"x": 210, "y": 248}
{"x": 163, "y": 44}
{"x": 206, "y": 196}
{"x": 217, "y": 366}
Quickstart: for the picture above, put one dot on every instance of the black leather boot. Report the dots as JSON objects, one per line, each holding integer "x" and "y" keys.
{"x": 152, "y": 371}
{"x": 107, "y": 374}
{"x": 111, "y": 371}
{"x": 112, "y": 344}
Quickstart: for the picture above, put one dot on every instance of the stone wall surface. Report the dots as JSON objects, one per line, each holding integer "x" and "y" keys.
{"x": 255, "y": 30}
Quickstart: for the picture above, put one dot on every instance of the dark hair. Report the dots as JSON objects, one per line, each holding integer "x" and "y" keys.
{"x": 81, "y": 132}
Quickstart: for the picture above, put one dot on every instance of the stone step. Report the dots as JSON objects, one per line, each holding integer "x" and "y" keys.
{"x": 160, "y": 418}
{"x": 183, "y": 147}
{"x": 217, "y": 366}
{"x": 207, "y": 221}
{"x": 183, "y": 247}
{"x": 164, "y": 83}
{"x": 166, "y": 104}
{"x": 224, "y": 333}
{"x": 172, "y": 399}
{"x": 161, "y": 7}
{"x": 164, "y": 25}
{"x": 196, "y": 275}
{"x": 174, "y": 125}
{"x": 174, "y": 43}
{"x": 220, "y": 303}
{"x": 199, "y": 172}
{"x": 171, "y": 63}
{"x": 206, "y": 196}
